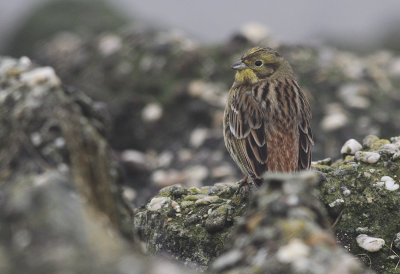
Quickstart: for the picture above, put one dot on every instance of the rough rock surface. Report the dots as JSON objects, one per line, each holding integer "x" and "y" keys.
{"x": 363, "y": 197}
{"x": 190, "y": 224}
{"x": 60, "y": 208}
{"x": 284, "y": 230}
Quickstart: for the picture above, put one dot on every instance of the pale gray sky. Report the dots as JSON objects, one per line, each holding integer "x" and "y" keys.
{"x": 214, "y": 20}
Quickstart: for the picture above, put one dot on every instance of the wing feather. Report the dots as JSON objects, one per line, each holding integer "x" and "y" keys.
{"x": 247, "y": 125}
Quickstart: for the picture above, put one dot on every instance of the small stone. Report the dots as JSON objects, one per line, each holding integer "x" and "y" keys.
{"x": 390, "y": 184}
{"x": 362, "y": 229}
{"x": 198, "y": 136}
{"x": 158, "y": 203}
{"x": 129, "y": 194}
{"x": 396, "y": 241}
{"x": 152, "y": 112}
{"x": 345, "y": 191}
{"x": 40, "y": 76}
{"x": 351, "y": 147}
{"x": 367, "y": 157}
{"x": 207, "y": 200}
{"x": 36, "y": 139}
{"x": 196, "y": 174}
{"x": 176, "y": 206}
{"x": 370, "y": 244}
{"x": 109, "y": 44}
{"x": 370, "y": 140}
{"x": 293, "y": 251}
{"x": 334, "y": 121}
{"x": 134, "y": 157}
{"x": 336, "y": 202}
{"x": 227, "y": 259}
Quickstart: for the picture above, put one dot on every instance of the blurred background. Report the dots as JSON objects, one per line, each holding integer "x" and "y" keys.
{"x": 159, "y": 72}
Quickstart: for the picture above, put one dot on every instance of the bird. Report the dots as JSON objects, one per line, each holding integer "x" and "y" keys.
{"x": 266, "y": 122}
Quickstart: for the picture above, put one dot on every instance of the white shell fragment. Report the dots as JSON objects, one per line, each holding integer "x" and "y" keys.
{"x": 351, "y": 147}
{"x": 370, "y": 244}
{"x": 158, "y": 203}
{"x": 367, "y": 157}
{"x": 390, "y": 184}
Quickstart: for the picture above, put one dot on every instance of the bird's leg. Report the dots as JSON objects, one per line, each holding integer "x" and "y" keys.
{"x": 243, "y": 183}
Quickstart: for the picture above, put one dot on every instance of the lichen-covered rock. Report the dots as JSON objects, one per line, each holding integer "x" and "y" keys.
{"x": 281, "y": 228}
{"x": 362, "y": 197}
{"x": 285, "y": 230}
{"x": 60, "y": 207}
{"x": 193, "y": 225}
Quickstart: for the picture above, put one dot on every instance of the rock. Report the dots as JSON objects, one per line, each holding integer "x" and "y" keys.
{"x": 351, "y": 147}
{"x": 389, "y": 183}
{"x": 370, "y": 244}
{"x": 152, "y": 113}
{"x": 158, "y": 202}
{"x": 369, "y": 203}
{"x": 367, "y": 157}
{"x": 284, "y": 231}
{"x": 59, "y": 182}
{"x": 397, "y": 240}
{"x": 198, "y": 234}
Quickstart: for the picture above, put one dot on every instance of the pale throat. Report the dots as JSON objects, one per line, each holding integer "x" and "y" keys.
{"x": 246, "y": 76}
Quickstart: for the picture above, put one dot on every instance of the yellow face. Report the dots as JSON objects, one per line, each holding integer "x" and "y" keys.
{"x": 260, "y": 64}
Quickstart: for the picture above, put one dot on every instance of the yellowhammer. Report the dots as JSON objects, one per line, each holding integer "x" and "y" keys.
{"x": 267, "y": 117}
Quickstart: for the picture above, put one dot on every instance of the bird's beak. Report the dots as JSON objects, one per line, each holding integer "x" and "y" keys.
{"x": 239, "y": 65}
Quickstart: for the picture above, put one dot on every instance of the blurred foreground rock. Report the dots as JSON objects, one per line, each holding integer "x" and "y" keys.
{"x": 60, "y": 206}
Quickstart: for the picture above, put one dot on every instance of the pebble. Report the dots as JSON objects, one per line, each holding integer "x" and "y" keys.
{"x": 198, "y": 136}
{"x": 109, "y": 44}
{"x": 397, "y": 240}
{"x": 336, "y": 202}
{"x": 128, "y": 193}
{"x": 351, "y": 147}
{"x": 196, "y": 174}
{"x": 293, "y": 251}
{"x": 362, "y": 229}
{"x": 40, "y": 76}
{"x": 158, "y": 203}
{"x": 152, "y": 112}
{"x": 367, "y": 157}
{"x": 227, "y": 259}
{"x": 370, "y": 244}
{"x": 176, "y": 206}
{"x": 390, "y": 184}
{"x": 134, "y": 157}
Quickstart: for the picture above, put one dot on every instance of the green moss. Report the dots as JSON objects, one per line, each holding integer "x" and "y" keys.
{"x": 191, "y": 198}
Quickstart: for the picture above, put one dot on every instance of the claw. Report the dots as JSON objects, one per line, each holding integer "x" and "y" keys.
{"x": 243, "y": 183}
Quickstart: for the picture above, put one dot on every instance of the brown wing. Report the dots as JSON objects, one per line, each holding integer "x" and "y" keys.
{"x": 247, "y": 126}
{"x": 305, "y": 134}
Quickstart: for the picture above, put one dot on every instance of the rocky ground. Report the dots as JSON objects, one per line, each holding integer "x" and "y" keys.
{"x": 160, "y": 80}
{"x": 138, "y": 111}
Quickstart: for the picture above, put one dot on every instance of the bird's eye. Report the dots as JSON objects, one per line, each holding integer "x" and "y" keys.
{"x": 258, "y": 63}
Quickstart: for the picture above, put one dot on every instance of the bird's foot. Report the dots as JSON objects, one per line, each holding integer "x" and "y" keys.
{"x": 243, "y": 183}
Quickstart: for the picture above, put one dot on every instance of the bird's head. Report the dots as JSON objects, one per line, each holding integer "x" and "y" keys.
{"x": 259, "y": 64}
